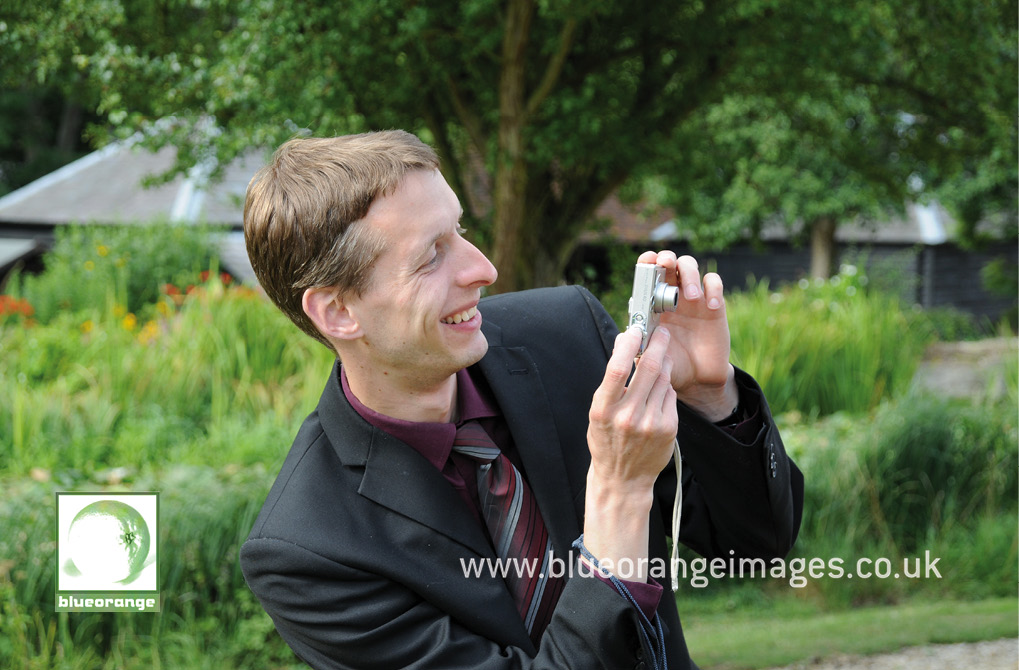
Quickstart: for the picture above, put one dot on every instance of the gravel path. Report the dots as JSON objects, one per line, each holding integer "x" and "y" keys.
{"x": 992, "y": 655}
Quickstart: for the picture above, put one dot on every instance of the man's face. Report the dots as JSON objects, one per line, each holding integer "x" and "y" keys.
{"x": 419, "y": 314}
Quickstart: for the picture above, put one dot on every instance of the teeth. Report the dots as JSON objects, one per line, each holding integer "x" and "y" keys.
{"x": 462, "y": 316}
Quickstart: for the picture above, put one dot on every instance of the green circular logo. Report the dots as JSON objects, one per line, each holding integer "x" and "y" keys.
{"x": 108, "y": 540}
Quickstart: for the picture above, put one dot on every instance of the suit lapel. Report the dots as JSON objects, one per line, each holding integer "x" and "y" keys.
{"x": 513, "y": 378}
{"x": 395, "y": 475}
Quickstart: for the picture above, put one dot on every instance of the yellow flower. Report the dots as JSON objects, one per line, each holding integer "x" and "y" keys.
{"x": 87, "y": 326}
{"x": 89, "y": 265}
{"x": 148, "y": 332}
{"x": 119, "y": 310}
{"x": 102, "y": 250}
{"x": 120, "y": 262}
{"x": 129, "y": 321}
{"x": 163, "y": 308}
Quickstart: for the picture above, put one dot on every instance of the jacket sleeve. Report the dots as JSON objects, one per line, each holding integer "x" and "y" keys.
{"x": 747, "y": 498}
{"x": 334, "y": 616}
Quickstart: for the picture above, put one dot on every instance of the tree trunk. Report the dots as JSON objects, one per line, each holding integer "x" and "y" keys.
{"x": 822, "y": 247}
{"x": 69, "y": 132}
{"x": 510, "y": 183}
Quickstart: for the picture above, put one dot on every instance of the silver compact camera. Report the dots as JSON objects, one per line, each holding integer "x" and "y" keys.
{"x": 650, "y": 297}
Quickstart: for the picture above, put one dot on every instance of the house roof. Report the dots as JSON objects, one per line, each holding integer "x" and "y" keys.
{"x": 107, "y": 186}
{"x": 922, "y": 224}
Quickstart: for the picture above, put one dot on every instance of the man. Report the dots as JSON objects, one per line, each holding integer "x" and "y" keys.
{"x": 362, "y": 551}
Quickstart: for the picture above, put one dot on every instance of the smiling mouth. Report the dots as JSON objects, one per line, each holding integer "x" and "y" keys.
{"x": 465, "y": 315}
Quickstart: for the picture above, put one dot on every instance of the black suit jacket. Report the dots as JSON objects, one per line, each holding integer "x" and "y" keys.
{"x": 358, "y": 553}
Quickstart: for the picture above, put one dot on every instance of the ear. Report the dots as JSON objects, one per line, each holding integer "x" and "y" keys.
{"x": 328, "y": 311}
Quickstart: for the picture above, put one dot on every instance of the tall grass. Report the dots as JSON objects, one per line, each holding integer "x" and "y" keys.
{"x": 97, "y": 266}
{"x": 926, "y": 474}
{"x": 824, "y": 347}
{"x": 218, "y": 380}
{"x": 209, "y": 618}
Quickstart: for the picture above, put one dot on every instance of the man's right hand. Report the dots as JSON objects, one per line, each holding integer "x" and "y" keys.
{"x": 630, "y": 436}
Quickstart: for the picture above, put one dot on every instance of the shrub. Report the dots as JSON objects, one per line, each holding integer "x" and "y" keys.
{"x": 223, "y": 378}
{"x": 208, "y": 614}
{"x": 826, "y": 346}
{"x": 94, "y": 267}
{"x": 927, "y": 474}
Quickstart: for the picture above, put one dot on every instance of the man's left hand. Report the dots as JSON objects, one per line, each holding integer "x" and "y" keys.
{"x": 699, "y": 344}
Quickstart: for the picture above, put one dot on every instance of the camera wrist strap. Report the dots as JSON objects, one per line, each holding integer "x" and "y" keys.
{"x": 677, "y": 514}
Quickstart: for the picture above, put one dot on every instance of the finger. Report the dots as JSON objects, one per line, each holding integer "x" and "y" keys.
{"x": 659, "y": 391}
{"x": 689, "y": 278}
{"x": 713, "y": 291}
{"x": 647, "y": 257}
{"x": 620, "y": 363}
{"x": 669, "y": 403}
{"x": 667, "y": 259}
{"x": 650, "y": 365}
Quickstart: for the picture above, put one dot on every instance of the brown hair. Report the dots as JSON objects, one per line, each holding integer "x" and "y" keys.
{"x": 302, "y": 213}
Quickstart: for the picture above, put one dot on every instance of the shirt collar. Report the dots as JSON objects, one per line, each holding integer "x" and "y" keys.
{"x": 434, "y": 441}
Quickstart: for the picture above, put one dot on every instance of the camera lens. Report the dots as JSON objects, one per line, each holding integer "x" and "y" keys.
{"x": 666, "y": 298}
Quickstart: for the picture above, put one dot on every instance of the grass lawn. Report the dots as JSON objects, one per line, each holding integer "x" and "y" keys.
{"x": 794, "y": 631}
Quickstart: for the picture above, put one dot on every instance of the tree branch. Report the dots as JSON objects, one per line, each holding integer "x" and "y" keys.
{"x": 554, "y": 69}
{"x": 471, "y": 122}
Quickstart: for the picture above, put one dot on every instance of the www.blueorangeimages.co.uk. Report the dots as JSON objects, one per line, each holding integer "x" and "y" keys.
{"x": 698, "y": 572}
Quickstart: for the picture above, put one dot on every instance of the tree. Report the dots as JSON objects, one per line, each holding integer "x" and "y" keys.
{"x": 57, "y": 96}
{"x": 45, "y": 98}
{"x": 540, "y": 109}
{"x": 803, "y": 164}
{"x": 890, "y": 122}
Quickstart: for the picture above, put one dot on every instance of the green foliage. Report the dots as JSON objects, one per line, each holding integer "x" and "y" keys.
{"x": 816, "y": 347}
{"x": 859, "y": 135}
{"x": 204, "y": 516}
{"x": 927, "y": 474}
{"x": 94, "y": 266}
{"x": 93, "y": 385}
{"x": 1001, "y": 277}
{"x": 826, "y": 346}
{"x": 953, "y": 325}
{"x": 112, "y": 392}
{"x": 759, "y": 161}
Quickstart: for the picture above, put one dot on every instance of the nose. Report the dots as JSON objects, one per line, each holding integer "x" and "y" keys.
{"x": 477, "y": 270}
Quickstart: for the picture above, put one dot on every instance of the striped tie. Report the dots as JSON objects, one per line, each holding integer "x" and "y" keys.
{"x": 515, "y": 527}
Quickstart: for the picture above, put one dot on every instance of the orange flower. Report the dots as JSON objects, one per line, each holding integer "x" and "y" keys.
{"x": 14, "y": 306}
